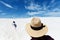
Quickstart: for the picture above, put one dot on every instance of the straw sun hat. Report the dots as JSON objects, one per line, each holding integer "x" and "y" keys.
{"x": 35, "y": 28}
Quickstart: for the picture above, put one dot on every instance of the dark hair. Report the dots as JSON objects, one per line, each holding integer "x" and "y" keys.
{"x": 13, "y": 21}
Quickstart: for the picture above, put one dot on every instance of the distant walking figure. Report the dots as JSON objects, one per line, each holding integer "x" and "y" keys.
{"x": 14, "y": 24}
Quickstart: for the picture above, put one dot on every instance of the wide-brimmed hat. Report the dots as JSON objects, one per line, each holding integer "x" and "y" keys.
{"x": 35, "y": 28}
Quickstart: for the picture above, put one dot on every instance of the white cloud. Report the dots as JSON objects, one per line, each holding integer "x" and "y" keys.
{"x": 37, "y": 8}
{"x": 51, "y": 4}
{"x": 44, "y": 7}
{"x": 34, "y": 13}
{"x": 56, "y": 9}
{"x": 0, "y": 10}
{"x": 43, "y": 10}
{"x": 54, "y": 14}
{"x": 52, "y": 1}
{"x": 3, "y": 13}
{"x": 7, "y": 5}
{"x": 33, "y": 6}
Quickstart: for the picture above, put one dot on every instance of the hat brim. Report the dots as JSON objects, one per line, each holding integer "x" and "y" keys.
{"x": 35, "y": 33}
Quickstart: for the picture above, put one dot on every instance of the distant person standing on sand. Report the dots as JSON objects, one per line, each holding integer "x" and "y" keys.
{"x": 14, "y": 24}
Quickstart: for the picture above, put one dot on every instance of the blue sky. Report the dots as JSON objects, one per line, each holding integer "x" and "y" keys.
{"x": 29, "y": 8}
